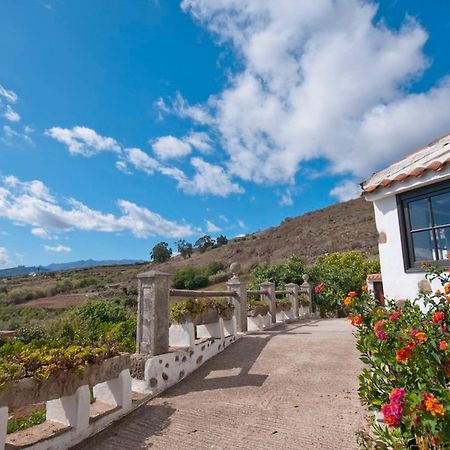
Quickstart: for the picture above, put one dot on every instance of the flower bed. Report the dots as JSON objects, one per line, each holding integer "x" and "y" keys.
{"x": 201, "y": 311}
{"x": 257, "y": 308}
{"x": 407, "y": 374}
{"x": 42, "y": 375}
{"x": 283, "y": 305}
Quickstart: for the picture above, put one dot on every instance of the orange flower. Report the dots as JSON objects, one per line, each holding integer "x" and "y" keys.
{"x": 443, "y": 345}
{"x": 352, "y": 294}
{"x": 447, "y": 288}
{"x": 347, "y": 301}
{"x": 432, "y": 405}
{"x": 356, "y": 320}
{"x": 421, "y": 336}
{"x": 364, "y": 287}
{"x": 438, "y": 292}
{"x": 404, "y": 353}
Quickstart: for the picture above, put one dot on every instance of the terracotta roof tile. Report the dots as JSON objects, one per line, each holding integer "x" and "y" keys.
{"x": 374, "y": 277}
{"x": 433, "y": 157}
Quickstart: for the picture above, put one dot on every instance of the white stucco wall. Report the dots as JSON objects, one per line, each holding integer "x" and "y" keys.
{"x": 398, "y": 284}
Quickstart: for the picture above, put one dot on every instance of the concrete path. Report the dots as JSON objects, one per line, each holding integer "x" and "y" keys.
{"x": 294, "y": 387}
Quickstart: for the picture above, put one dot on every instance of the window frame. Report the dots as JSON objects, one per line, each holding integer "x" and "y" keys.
{"x": 403, "y": 200}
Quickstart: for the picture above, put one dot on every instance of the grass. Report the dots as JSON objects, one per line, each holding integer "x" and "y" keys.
{"x": 21, "y": 423}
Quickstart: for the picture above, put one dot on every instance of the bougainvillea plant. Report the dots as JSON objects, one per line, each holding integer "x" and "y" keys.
{"x": 407, "y": 367}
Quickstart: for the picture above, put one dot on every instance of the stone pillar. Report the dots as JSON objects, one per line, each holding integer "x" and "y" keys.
{"x": 293, "y": 297}
{"x": 115, "y": 392}
{"x": 72, "y": 410}
{"x": 153, "y": 313}
{"x": 270, "y": 298}
{"x": 306, "y": 289}
{"x": 239, "y": 300}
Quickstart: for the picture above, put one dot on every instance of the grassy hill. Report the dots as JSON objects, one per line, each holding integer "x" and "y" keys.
{"x": 344, "y": 226}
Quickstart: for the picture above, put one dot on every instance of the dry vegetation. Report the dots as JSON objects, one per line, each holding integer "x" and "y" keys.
{"x": 341, "y": 227}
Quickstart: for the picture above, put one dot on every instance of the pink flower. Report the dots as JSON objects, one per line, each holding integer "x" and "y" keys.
{"x": 395, "y": 316}
{"x": 381, "y": 335}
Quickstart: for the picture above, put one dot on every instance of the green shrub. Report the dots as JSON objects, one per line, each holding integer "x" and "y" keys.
{"x": 179, "y": 312}
{"x": 291, "y": 271}
{"x": 189, "y": 278}
{"x": 219, "y": 277}
{"x": 214, "y": 267}
{"x": 338, "y": 273}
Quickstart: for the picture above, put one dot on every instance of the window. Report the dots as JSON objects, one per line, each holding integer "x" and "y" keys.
{"x": 425, "y": 225}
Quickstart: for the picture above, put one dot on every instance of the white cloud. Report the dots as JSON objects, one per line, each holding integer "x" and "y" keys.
{"x": 10, "y": 135}
{"x": 41, "y": 233}
{"x": 141, "y": 160}
{"x": 122, "y": 166}
{"x": 199, "y": 140}
{"x": 11, "y": 115}
{"x": 209, "y": 179}
{"x": 286, "y": 198}
{"x": 83, "y": 141}
{"x": 57, "y": 249}
{"x": 241, "y": 224}
{"x": 319, "y": 79}
{"x": 169, "y": 147}
{"x": 9, "y": 96}
{"x": 346, "y": 190}
{"x": 31, "y": 203}
{"x": 211, "y": 227}
{"x": 4, "y": 255}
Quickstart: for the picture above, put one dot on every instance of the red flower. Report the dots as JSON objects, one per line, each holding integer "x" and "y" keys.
{"x": 404, "y": 353}
{"x": 395, "y": 316}
{"x": 352, "y": 294}
{"x": 438, "y": 316}
{"x": 443, "y": 345}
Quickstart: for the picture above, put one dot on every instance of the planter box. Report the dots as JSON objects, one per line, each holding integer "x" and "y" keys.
{"x": 210, "y": 315}
{"x": 258, "y": 310}
{"x": 285, "y": 306}
{"x": 61, "y": 384}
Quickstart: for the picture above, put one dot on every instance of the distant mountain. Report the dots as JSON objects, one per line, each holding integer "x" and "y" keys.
{"x": 26, "y": 270}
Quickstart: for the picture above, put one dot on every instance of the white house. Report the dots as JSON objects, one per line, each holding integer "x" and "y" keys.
{"x": 411, "y": 199}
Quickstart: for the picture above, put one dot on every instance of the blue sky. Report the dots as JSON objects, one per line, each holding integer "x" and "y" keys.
{"x": 133, "y": 122}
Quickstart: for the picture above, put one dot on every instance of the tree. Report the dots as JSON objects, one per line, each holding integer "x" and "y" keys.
{"x": 221, "y": 240}
{"x": 161, "y": 252}
{"x": 184, "y": 248}
{"x": 204, "y": 242}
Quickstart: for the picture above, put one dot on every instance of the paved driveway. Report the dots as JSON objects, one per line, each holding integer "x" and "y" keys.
{"x": 294, "y": 387}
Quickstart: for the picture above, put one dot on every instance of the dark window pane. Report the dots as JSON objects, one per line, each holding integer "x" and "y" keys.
{"x": 441, "y": 209}
{"x": 423, "y": 246}
{"x": 443, "y": 241}
{"x": 419, "y": 214}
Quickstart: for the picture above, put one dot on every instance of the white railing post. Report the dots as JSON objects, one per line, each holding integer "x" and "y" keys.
{"x": 72, "y": 410}
{"x": 293, "y": 297}
{"x": 240, "y": 298}
{"x": 269, "y": 297}
{"x": 115, "y": 392}
{"x": 153, "y": 313}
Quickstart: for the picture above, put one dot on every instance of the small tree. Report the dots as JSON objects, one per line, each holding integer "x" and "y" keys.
{"x": 184, "y": 248}
{"x": 221, "y": 240}
{"x": 204, "y": 242}
{"x": 161, "y": 252}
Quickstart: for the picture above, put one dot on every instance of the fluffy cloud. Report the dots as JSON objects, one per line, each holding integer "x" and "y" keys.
{"x": 321, "y": 80}
{"x": 41, "y": 233}
{"x": 209, "y": 179}
{"x": 346, "y": 190}
{"x": 83, "y": 141}
{"x": 168, "y": 147}
{"x": 4, "y": 255}
{"x": 211, "y": 227}
{"x": 57, "y": 249}
{"x": 32, "y": 204}
{"x": 11, "y": 115}
{"x": 200, "y": 140}
{"x": 9, "y": 96}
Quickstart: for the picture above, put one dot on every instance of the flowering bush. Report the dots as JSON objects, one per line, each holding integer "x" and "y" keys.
{"x": 407, "y": 371}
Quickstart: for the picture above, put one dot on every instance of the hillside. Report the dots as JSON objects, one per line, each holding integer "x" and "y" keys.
{"x": 344, "y": 226}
